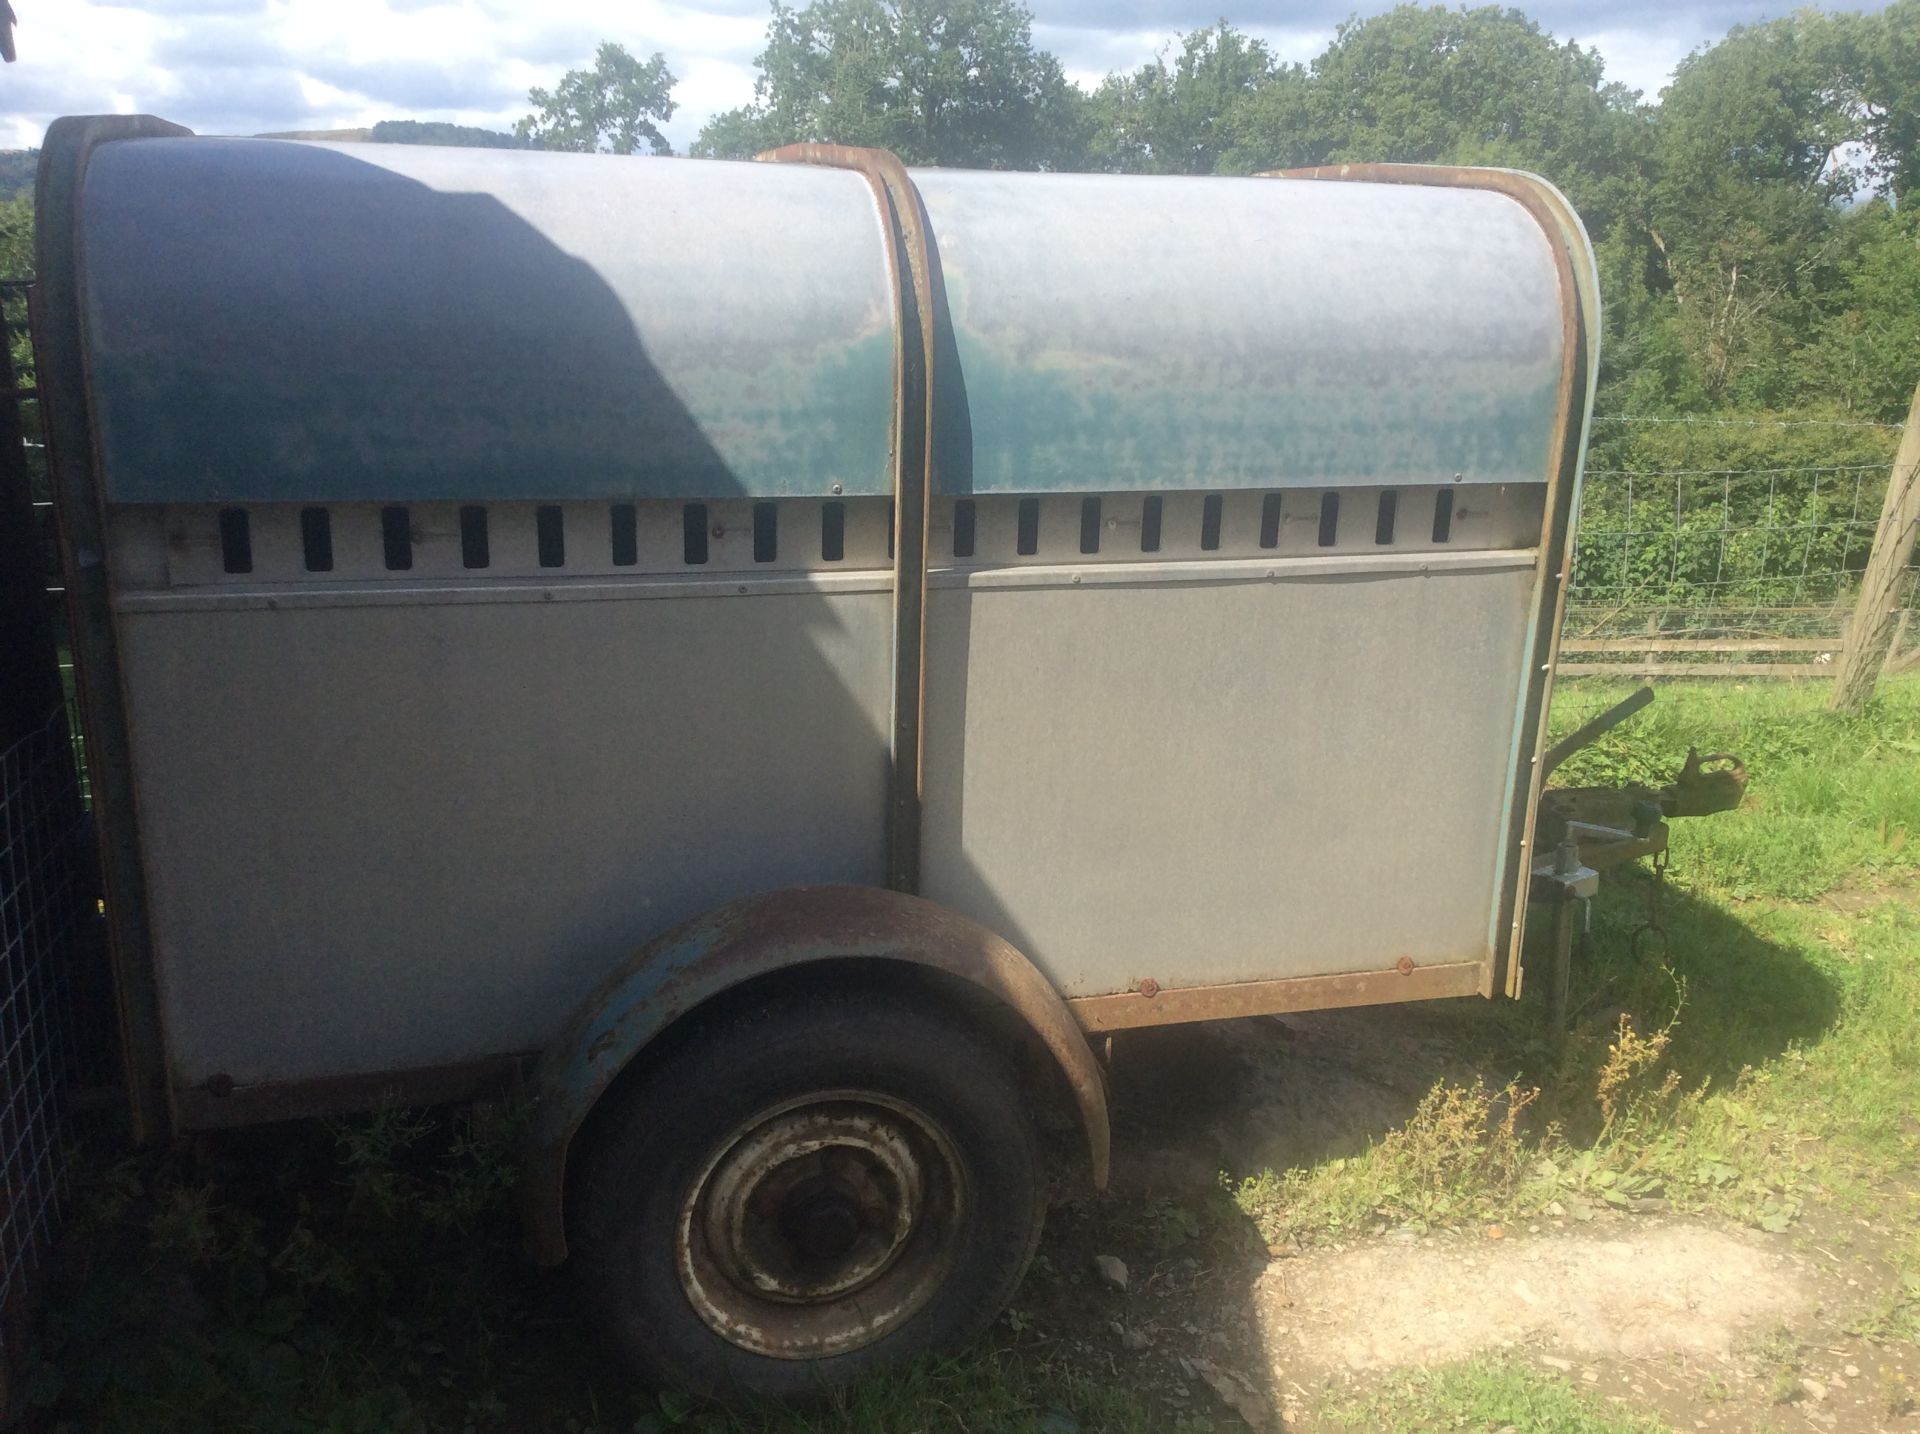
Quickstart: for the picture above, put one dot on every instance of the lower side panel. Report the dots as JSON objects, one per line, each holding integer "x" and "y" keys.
{"x": 395, "y": 836}
{"x": 1209, "y": 775}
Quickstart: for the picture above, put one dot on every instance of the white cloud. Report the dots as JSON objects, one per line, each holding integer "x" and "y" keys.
{"x": 246, "y": 66}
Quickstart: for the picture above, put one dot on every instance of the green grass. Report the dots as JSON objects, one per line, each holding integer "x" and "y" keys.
{"x": 1483, "y": 1395}
{"x": 365, "y": 1276}
{"x": 1771, "y": 1056}
{"x": 1834, "y": 801}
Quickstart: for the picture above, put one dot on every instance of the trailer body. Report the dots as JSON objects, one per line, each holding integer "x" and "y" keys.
{"x": 500, "y": 569}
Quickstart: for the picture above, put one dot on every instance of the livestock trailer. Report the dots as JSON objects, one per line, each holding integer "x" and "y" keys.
{"x": 780, "y": 655}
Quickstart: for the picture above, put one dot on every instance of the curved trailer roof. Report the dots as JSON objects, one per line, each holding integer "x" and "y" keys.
{"x": 279, "y": 321}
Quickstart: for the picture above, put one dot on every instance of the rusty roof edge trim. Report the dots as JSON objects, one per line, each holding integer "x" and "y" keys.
{"x": 911, "y": 257}
{"x": 1580, "y": 325}
{"x": 73, "y": 464}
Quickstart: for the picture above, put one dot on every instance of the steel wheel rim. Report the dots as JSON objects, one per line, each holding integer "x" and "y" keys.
{"x": 821, "y": 1225}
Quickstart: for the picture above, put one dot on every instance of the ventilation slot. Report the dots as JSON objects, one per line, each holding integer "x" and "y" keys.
{"x": 963, "y": 528}
{"x": 766, "y": 533}
{"x": 1383, "y": 521}
{"x": 316, "y": 539}
{"x": 1210, "y": 523}
{"x": 474, "y": 549}
{"x": 626, "y": 536}
{"x": 396, "y": 537}
{"x": 1443, "y": 515}
{"x": 889, "y": 530}
{"x": 1329, "y": 519}
{"x": 1150, "y": 526}
{"x": 1270, "y": 521}
{"x": 550, "y": 535}
{"x": 693, "y": 533}
{"x": 1027, "y": 540}
{"x": 1089, "y": 525}
{"x": 833, "y": 532}
{"x": 236, "y": 541}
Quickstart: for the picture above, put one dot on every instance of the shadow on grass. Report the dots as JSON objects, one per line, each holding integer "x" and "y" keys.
{"x": 366, "y": 1275}
{"x": 1237, "y": 1098}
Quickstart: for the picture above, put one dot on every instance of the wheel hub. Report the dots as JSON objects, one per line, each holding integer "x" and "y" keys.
{"x": 821, "y": 1225}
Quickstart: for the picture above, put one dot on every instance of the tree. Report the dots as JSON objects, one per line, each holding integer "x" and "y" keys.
{"x": 1760, "y": 139}
{"x": 16, "y": 236}
{"x": 1864, "y": 351}
{"x": 1187, "y": 117}
{"x": 949, "y": 82}
{"x": 614, "y": 106}
{"x": 1889, "y": 69}
{"x": 1427, "y": 85}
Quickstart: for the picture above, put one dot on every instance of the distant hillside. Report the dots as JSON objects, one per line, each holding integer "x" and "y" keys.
{"x": 463, "y": 136}
{"x": 342, "y": 136}
{"x": 16, "y": 171}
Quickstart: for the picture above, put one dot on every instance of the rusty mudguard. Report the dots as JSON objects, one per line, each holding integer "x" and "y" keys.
{"x": 691, "y": 964}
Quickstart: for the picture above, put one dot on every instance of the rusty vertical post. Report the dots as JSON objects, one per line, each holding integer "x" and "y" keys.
{"x": 910, "y": 255}
{"x": 1870, "y": 629}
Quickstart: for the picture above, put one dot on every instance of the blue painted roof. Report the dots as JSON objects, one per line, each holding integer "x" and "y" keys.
{"x": 276, "y": 321}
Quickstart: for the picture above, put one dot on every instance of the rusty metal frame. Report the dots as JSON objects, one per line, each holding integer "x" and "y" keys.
{"x": 710, "y": 955}
{"x": 1150, "y": 1005}
{"x": 1579, "y": 320}
{"x": 219, "y": 1104}
{"x": 73, "y": 462}
{"x": 910, "y": 257}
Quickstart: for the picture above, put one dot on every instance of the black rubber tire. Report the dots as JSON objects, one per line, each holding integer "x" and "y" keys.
{"x": 650, "y": 1145}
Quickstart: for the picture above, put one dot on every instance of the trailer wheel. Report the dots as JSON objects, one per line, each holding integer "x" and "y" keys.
{"x": 806, "y": 1192}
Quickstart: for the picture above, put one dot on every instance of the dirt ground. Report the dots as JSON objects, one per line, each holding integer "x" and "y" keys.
{"x": 1699, "y": 1325}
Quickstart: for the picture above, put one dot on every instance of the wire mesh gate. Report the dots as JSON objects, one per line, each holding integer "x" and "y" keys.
{"x": 55, "y": 1028}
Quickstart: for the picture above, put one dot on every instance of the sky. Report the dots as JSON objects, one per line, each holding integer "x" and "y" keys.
{"x": 255, "y": 66}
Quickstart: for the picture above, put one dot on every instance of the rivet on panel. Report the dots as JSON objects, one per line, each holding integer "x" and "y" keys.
{"x": 1149, "y": 988}
{"x": 1404, "y": 965}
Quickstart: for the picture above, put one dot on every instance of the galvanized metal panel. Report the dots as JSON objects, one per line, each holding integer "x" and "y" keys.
{"x": 410, "y": 834}
{"x": 1204, "y": 774}
{"x": 279, "y": 321}
{"x": 1123, "y": 332}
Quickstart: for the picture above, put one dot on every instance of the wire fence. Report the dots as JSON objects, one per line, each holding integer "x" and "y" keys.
{"x": 1726, "y": 547}
{"x": 51, "y": 1011}
{"x": 56, "y": 1036}
{"x": 24, "y": 394}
